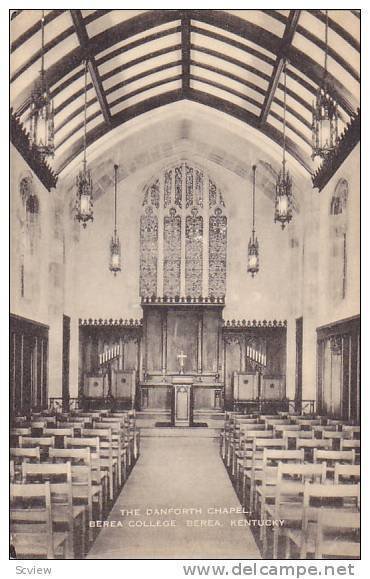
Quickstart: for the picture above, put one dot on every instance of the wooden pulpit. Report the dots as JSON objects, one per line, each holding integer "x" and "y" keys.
{"x": 182, "y": 401}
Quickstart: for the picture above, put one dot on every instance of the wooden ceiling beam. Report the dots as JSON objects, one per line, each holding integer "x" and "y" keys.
{"x": 337, "y": 28}
{"x": 286, "y": 41}
{"x": 252, "y": 102}
{"x": 218, "y": 18}
{"x": 93, "y": 69}
{"x": 249, "y": 50}
{"x": 225, "y": 88}
{"x": 27, "y": 34}
{"x": 142, "y": 75}
{"x": 139, "y": 60}
{"x": 331, "y": 52}
{"x": 142, "y": 89}
{"x": 185, "y": 51}
{"x": 118, "y": 119}
{"x": 207, "y": 99}
{"x": 107, "y": 57}
{"x": 38, "y": 54}
{"x": 111, "y": 89}
{"x": 136, "y": 43}
{"x": 266, "y": 39}
{"x": 168, "y": 66}
{"x": 227, "y": 74}
{"x": 78, "y": 128}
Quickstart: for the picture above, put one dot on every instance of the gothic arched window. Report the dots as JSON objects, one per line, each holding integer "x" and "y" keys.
{"x": 337, "y": 269}
{"x": 183, "y": 235}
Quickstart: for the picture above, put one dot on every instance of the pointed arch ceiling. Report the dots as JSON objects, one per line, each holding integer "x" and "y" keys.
{"x": 230, "y": 60}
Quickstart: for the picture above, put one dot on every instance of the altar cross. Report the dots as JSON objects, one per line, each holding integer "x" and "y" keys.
{"x": 181, "y": 357}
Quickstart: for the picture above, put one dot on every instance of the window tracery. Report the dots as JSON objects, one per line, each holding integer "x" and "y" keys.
{"x": 183, "y": 235}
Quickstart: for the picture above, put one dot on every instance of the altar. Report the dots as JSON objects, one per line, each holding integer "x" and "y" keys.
{"x": 135, "y": 363}
{"x": 158, "y": 395}
{"x": 182, "y": 354}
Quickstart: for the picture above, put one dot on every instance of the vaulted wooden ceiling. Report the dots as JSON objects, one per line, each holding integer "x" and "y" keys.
{"x": 139, "y": 60}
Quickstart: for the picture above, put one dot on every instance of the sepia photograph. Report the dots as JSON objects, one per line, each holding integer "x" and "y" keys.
{"x": 184, "y": 334}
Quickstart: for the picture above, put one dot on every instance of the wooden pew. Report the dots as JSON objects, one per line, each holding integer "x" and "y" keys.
{"x": 347, "y": 473}
{"x": 342, "y": 498}
{"x": 259, "y": 446}
{"x": 107, "y": 463}
{"x": 85, "y": 490}
{"x": 288, "y": 501}
{"x": 65, "y": 514}
{"x": 337, "y": 537}
{"x": 31, "y": 526}
{"x": 99, "y": 476}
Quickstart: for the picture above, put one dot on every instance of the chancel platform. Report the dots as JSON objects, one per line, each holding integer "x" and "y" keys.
{"x": 182, "y": 355}
{"x": 182, "y": 349}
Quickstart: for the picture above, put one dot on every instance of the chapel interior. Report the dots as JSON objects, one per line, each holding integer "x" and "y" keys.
{"x": 185, "y": 283}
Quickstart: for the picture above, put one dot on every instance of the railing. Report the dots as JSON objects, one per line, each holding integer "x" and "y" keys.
{"x": 266, "y": 405}
{"x": 58, "y": 404}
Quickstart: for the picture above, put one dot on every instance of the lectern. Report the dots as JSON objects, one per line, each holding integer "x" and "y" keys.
{"x": 182, "y": 404}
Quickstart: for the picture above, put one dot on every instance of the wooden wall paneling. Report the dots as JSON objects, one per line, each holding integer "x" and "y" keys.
{"x": 27, "y": 373}
{"x": 336, "y": 382}
{"x": 39, "y": 371}
{"x": 27, "y": 377}
{"x": 210, "y": 341}
{"x": 164, "y": 341}
{"x": 204, "y": 398}
{"x": 12, "y": 371}
{"x": 182, "y": 335}
{"x": 65, "y": 362}
{"x": 338, "y": 369}
{"x": 44, "y": 372}
{"x": 131, "y": 354}
{"x": 200, "y": 342}
{"x": 153, "y": 341}
{"x": 81, "y": 360}
{"x": 220, "y": 352}
{"x": 356, "y": 375}
{"x": 275, "y": 352}
{"x": 346, "y": 377}
{"x": 88, "y": 365}
{"x": 320, "y": 378}
{"x": 233, "y": 358}
{"x": 354, "y": 378}
{"x": 298, "y": 363}
{"x": 21, "y": 381}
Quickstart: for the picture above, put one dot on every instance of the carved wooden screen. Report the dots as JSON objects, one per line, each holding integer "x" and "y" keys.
{"x": 183, "y": 235}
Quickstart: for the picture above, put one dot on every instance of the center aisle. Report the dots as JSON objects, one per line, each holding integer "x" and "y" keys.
{"x": 176, "y": 473}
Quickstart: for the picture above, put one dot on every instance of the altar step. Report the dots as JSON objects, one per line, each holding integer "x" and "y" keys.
{"x": 179, "y": 432}
{"x": 148, "y": 418}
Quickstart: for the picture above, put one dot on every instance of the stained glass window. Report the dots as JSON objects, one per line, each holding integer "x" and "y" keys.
{"x": 194, "y": 253}
{"x": 217, "y": 253}
{"x": 185, "y": 210}
{"x": 172, "y": 254}
{"x": 149, "y": 252}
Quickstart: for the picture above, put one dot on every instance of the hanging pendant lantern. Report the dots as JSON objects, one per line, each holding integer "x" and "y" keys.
{"x": 253, "y": 248}
{"x": 324, "y": 113}
{"x": 115, "y": 245}
{"x": 84, "y": 184}
{"x": 42, "y": 110}
{"x": 283, "y": 187}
